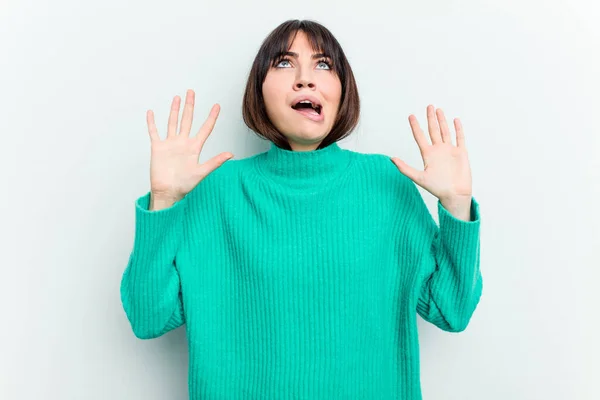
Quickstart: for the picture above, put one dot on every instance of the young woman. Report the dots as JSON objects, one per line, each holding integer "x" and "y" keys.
{"x": 299, "y": 271}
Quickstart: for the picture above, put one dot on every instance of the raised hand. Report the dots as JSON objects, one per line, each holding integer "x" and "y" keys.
{"x": 446, "y": 174}
{"x": 174, "y": 167}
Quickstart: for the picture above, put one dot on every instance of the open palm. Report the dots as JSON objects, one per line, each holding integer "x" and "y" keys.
{"x": 446, "y": 174}
{"x": 174, "y": 167}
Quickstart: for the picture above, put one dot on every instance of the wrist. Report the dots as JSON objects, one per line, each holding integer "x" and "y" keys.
{"x": 160, "y": 201}
{"x": 458, "y": 207}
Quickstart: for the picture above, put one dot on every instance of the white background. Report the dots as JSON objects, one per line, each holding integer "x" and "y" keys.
{"x": 76, "y": 78}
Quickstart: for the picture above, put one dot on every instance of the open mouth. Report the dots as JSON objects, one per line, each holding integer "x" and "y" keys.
{"x": 307, "y": 105}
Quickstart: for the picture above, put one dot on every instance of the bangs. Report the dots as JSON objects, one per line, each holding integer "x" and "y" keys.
{"x": 319, "y": 41}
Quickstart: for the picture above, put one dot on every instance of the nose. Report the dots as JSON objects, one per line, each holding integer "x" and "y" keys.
{"x": 304, "y": 79}
{"x": 300, "y": 83}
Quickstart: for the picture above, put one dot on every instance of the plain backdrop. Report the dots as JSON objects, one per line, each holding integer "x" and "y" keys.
{"x": 76, "y": 79}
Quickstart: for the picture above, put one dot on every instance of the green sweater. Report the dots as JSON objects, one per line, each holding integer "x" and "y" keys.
{"x": 299, "y": 275}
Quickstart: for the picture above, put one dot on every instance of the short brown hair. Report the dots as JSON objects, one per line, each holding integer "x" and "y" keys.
{"x": 280, "y": 40}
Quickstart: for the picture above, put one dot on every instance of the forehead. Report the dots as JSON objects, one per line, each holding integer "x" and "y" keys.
{"x": 301, "y": 41}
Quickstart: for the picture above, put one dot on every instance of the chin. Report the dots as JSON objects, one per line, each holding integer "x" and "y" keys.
{"x": 305, "y": 136}
{"x": 310, "y": 134}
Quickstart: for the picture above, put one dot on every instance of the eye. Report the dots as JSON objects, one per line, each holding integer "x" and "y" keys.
{"x": 286, "y": 60}
{"x": 324, "y": 61}
{"x": 281, "y": 61}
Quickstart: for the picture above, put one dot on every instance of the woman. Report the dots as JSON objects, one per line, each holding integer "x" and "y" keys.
{"x": 299, "y": 271}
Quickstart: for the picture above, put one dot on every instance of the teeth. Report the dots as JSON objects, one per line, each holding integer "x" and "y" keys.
{"x": 306, "y": 102}
{"x": 316, "y": 108}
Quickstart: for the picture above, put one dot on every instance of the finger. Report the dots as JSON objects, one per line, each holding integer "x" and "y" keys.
{"x": 418, "y": 133}
{"x": 432, "y": 125}
{"x": 209, "y": 124}
{"x": 173, "y": 117}
{"x": 151, "y": 126}
{"x": 445, "y": 131}
{"x": 412, "y": 173}
{"x": 209, "y": 166}
{"x": 188, "y": 113}
{"x": 460, "y": 136}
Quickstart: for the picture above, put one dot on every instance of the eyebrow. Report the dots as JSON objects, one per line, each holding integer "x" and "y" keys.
{"x": 295, "y": 55}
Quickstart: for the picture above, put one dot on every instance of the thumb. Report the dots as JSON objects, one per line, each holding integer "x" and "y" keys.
{"x": 213, "y": 163}
{"x": 406, "y": 169}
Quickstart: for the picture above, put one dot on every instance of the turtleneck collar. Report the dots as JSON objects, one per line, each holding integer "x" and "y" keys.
{"x": 304, "y": 169}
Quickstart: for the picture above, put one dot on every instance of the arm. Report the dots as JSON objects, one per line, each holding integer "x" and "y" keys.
{"x": 448, "y": 263}
{"x": 150, "y": 286}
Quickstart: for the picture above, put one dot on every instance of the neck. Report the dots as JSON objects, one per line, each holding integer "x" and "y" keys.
{"x": 311, "y": 169}
{"x": 306, "y": 147}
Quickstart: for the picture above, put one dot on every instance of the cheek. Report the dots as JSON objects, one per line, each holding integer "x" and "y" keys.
{"x": 272, "y": 94}
{"x": 331, "y": 90}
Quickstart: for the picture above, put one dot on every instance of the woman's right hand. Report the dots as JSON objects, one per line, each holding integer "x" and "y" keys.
{"x": 174, "y": 167}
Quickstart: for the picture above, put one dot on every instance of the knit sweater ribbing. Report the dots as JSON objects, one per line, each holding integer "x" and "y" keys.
{"x": 299, "y": 275}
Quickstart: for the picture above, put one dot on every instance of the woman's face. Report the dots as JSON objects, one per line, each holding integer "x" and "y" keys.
{"x": 293, "y": 78}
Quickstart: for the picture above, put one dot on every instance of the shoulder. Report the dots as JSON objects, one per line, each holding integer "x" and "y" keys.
{"x": 231, "y": 169}
{"x": 221, "y": 180}
{"x": 380, "y": 169}
{"x": 390, "y": 186}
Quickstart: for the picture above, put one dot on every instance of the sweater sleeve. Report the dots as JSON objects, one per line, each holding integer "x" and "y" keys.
{"x": 449, "y": 265}
{"x": 150, "y": 286}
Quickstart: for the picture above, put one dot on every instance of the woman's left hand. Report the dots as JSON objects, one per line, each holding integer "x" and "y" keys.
{"x": 446, "y": 174}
